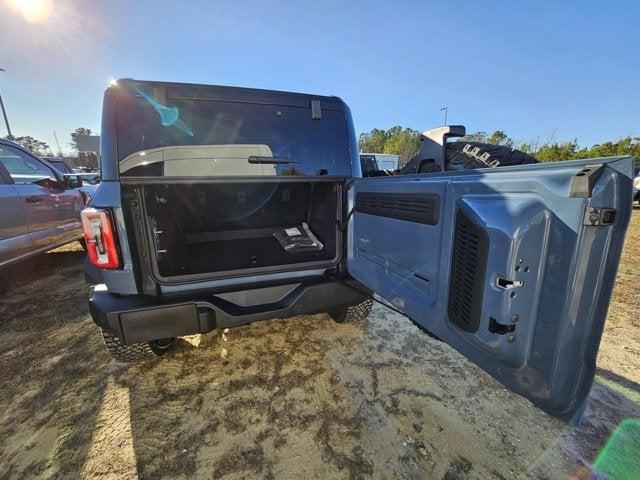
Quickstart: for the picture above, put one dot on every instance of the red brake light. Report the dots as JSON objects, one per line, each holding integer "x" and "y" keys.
{"x": 100, "y": 236}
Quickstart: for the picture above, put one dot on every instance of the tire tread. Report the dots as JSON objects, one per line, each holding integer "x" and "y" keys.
{"x": 353, "y": 313}
{"x": 126, "y": 353}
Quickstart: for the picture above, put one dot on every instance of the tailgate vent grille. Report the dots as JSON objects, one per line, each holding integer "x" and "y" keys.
{"x": 468, "y": 266}
{"x": 412, "y": 207}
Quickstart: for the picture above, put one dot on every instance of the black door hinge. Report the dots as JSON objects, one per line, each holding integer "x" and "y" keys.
{"x": 599, "y": 216}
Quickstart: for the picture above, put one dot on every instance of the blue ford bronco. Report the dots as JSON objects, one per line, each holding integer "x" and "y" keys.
{"x": 221, "y": 206}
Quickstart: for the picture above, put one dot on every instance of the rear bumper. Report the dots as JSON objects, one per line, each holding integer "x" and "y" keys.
{"x": 136, "y": 319}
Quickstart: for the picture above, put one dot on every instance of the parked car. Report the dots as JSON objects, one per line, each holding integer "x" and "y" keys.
{"x": 39, "y": 206}
{"x": 90, "y": 180}
{"x": 512, "y": 266}
{"x": 378, "y": 164}
{"x": 636, "y": 189}
{"x": 59, "y": 164}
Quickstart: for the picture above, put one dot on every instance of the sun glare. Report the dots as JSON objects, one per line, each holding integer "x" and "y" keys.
{"x": 33, "y": 11}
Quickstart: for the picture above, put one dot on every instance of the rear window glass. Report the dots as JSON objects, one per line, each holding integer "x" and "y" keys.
{"x": 60, "y": 166}
{"x": 192, "y": 137}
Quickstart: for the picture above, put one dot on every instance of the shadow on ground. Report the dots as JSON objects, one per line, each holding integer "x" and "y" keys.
{"x": 300, "y": 398}
{"x": 53, "y": 368}
{"x": 306, "y": 397}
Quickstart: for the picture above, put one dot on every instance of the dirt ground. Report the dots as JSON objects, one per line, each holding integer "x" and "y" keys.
{"x": 303, "y": 398}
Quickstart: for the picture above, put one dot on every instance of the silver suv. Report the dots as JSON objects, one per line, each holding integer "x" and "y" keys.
{"x": 39, "y": 206}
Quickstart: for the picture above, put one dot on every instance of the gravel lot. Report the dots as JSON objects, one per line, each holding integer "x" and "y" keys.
{"x": 303, "y": 398}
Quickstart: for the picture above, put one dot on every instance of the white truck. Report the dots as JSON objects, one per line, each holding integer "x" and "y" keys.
{"x": 378, "y": 162}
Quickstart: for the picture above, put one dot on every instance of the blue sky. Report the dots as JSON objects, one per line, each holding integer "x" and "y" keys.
{"x": 534, "y": 69}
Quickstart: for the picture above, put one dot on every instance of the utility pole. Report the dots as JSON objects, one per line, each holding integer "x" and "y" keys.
{"x": 4, "y": 114}
{"x": 446, "y": 111}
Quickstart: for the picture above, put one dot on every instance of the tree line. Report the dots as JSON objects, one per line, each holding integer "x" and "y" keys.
{"x": 401, "y": 141}
{"x": 405, "y": 142}
{"x": 42, "y": 149}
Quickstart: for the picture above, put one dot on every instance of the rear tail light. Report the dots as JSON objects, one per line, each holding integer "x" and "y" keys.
{"x": 100, "y": 236}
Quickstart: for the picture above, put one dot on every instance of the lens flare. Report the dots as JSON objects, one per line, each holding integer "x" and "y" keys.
{"x": 169, "y": 116}
{"x": 33, "y": 11}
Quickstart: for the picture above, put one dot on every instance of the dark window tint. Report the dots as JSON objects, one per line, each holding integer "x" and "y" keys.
{"x": 181, "y": 137}
{"x": 368, "y": 164}
{"x": 60, "y": 166}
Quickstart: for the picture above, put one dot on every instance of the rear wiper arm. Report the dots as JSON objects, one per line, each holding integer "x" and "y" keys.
{"x": 265, "y": 160}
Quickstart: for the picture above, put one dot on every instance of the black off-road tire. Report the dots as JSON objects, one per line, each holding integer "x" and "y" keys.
{"x": 137, "y": 351}
{"x": 468, "y": 155}
{"x": 353, "y": 313}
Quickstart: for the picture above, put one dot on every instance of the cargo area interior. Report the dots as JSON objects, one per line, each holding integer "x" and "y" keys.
{"x": 224, "y": 227}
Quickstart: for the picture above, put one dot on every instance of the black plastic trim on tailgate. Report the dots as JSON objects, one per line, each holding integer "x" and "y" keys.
{"x": 412, "y": 207}
{"x": 468, "y": 270}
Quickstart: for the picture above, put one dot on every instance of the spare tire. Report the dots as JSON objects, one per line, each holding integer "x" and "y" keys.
{"x": 467, "y": 155}
{"x": 414, "y": 166}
